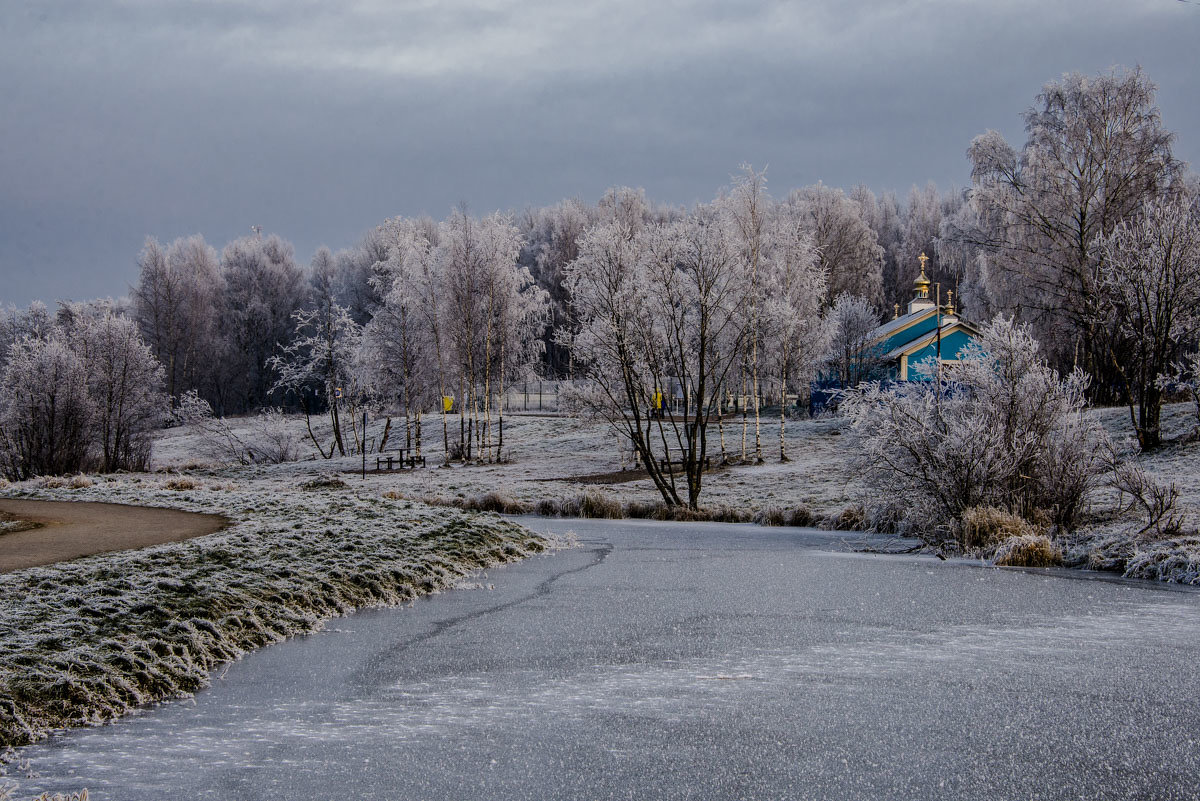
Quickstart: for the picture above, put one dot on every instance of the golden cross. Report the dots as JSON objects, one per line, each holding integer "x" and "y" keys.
{"x": 922, "y": 258}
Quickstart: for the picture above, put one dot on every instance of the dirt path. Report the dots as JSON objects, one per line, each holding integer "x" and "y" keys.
{"x": 69, "y": 530}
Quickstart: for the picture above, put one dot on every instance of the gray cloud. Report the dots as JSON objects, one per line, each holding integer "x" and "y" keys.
{"x": 317, "y": 120}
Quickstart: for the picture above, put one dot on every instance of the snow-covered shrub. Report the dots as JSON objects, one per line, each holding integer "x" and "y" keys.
{"x": 498, "y": 503}
{"x": 1155, "y": 500}
{"x": 1028, "y": 550}
{"x": 324, "y": 481}
{"x": 595, "y": 505}
{"x": 270, "y": 440}
{"x": 1002, "y": 429}
{"x": 771, "y": 516}
{"x": 779, "y": 516}
{"x": 852, "y": 518}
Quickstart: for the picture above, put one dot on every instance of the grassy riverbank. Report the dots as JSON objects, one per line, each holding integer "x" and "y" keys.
{"x": 85, "y": 641}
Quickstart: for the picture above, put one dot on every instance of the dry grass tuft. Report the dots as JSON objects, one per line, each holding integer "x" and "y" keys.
{"x": 79, "y": 482}
{"x": 984, "y": 527}
{"x": 777, "y": 516}
{"x": 852, "y": 518}
{"x": 181, "y": 484}
{"x": 324, "y": 481}
{"x": 1176, "y": 561}
{"x": 1028, "y": 550}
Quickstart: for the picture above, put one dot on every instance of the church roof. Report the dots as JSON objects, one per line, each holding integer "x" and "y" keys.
{"x": 897, "y": 325}
{"x": 928, "y": 338}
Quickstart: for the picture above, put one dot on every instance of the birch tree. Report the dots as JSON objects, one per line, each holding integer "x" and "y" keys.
{"x": 316, "y": 365}
{"x": 795, "y": 336}
{"x": 175, "y": 303}
{"x": 658, "y": 308}
{"x": 1149, "y": 277}
{"x": 747, "y": 211}
{"x": 1095, "y": 151}
{"x": 851, "y": 355}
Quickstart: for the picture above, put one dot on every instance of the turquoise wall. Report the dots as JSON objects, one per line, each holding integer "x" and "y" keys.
{"x": 952, "y": 347}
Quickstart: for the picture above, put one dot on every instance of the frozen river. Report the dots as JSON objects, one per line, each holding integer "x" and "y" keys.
{"x": 708, "y": 661}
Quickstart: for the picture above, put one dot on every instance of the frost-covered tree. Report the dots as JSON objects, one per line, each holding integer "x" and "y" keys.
{"x": 263, "y": 287}
{"x": 660, "y": 309}
{"x": 175, "y": 304}
{"x": 1149, "y": 279}
{"x": 45, "y": 412}
{"x": 86, "y": 394}
{"x": 315, "y": 366}
{"x": 1005, "y": 431}
{"x": 399, "y": 358}
{"x": 850, "y": 355}
{"x": 34, "y": 322}
{"x": 354, "y": 270}
{"x": 748, "y": 213}
{"x": 848, "y": 248}
{"x": 492, "y": 313}
{"x": 793, "y": 332}
{"x": 885, "y": 217}
{"x": 551, "y": 237}
{"x": 125, "y": 384}
{"x": 1095, "y": 151}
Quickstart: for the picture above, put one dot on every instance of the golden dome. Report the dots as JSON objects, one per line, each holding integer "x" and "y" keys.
{"x": 922, "y": 281}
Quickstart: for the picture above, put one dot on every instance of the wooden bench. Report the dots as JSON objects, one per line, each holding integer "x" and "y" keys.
{"x": 400, "y": 460}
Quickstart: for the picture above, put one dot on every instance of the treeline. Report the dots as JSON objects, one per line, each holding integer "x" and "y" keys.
{"x": 424, "y": 315}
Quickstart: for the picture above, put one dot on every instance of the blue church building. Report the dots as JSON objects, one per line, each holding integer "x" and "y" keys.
{"x": 926, "y": 333}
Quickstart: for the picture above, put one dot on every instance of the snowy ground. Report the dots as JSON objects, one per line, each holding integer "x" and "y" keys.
{"x": 556, "y": 457}
{"x": 551, "y": 457}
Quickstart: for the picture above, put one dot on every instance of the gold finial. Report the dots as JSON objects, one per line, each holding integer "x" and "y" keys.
{"x": 922, "y": 283}
{"x": 896, "y": 314}
{"x": 949, "y": 301}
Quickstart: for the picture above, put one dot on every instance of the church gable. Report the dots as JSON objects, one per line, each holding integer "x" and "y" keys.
{"x": 918, "y": 337}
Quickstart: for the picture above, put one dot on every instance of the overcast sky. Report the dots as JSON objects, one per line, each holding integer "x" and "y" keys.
{"x": 317, "y": 120}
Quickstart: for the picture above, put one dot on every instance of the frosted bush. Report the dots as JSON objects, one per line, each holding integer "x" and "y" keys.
{"x": 1002, "y": 429}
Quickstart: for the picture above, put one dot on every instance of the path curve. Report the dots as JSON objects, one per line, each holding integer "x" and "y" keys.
{"x": 71, "y": 529}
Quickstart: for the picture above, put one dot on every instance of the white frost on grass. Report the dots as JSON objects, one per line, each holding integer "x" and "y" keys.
{"x": 545, "y": 453}
{"x": 85, "y": 641}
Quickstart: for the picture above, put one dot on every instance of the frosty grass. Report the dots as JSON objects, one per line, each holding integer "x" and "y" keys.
{"x": 85, "y": 641}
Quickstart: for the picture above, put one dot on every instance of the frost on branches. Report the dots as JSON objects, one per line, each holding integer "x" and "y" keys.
{"x": 1003, "y": 430}
{"x": 1150, "y": 282}
{"x": 87, "y": 394}
{"x": 674, "y": 318}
